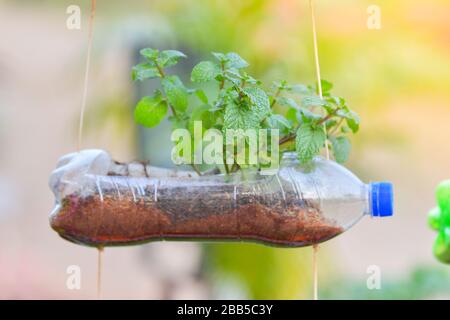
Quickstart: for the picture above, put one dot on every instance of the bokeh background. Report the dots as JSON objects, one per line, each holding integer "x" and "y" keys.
{"x": 397, "y": 78}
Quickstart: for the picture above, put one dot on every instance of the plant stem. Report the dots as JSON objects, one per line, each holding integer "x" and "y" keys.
{"x": 276, "y": 95}
{"x": 222, "y": 83}
{"x": 163, "y": 75}
{"x": 224, "y": 156}
{"x": 325, "y": 119}
{"x": 240, "y": 89}
{"x": 227, "y": 170}
{"x": 235, "y": 168}
{"x": 288, "y": 138}
{"x": 194, "y": 166}
{"x": 160, "y": 70}
{"x": 336, "y": 127}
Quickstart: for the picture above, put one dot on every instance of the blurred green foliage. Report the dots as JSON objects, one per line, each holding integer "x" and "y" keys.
{"x": 264, "y": 272}
{"x": 425, "y": 282}
{"x": 439, "y": 220}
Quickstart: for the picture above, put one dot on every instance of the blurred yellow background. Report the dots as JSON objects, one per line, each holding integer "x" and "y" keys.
{"x": 397, "y": 78}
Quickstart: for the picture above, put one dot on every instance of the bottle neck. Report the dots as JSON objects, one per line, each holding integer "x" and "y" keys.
{"x": 366, "y": 194}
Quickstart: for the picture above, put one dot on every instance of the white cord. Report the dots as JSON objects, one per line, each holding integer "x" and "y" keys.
{"x": 316, "y": 57}
{"x": 86, "y": 74}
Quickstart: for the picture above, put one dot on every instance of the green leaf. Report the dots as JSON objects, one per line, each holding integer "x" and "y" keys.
{"x": 249, "y": 79}
{"x": 220, "y": 56}
{"x": 345, "y": 129}
{"x": 353, "y": 121}
{"x": 330, "y": 124}
{"x": 231, "y": 76}
{"x": 326, "y": 86}
{"x": 313, "y": 101}
{"x": 150, "y": 110}
{"x": 168, "y": 58}
{"x": 277, "y": 121}
{"x": 178, "y": 123}
{"x": 150, "y": 54}
{"x": 303, "y": 114}
{"x": 280, "y": 85}
{"x": 308, "y": 116}
{"x": 287, "y": 102}
{"x": 176, "y": 93}
{"x": 341, "y": 148}
{"x": 259, "y": 100}
{"x": 145, "y": 71}
{"x": 235, "y": 61}
{"x": 202, "y": 96}
{"x": 202, "y": 113}
{"x": 351, "y": 118}
{"x": 240, "y": 118}
{"x": 291, "y": 115}
{"x": 299, "y": 88}
{"x": 338, "y": 101}
{"x": 205, "y": 71}
{"x": 309, "y": 141}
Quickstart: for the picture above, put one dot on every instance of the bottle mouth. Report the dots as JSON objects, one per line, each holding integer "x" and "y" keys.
{"x": 381, "y": 199}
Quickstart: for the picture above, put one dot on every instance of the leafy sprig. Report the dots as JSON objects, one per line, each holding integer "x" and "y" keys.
{"x": 307, "y": 122}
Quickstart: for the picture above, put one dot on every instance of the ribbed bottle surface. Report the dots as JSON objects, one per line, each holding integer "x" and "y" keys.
{"x": 298, "y": 206}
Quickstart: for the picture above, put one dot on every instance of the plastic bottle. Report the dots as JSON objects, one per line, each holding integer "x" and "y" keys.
{"x": 100, "y": 202}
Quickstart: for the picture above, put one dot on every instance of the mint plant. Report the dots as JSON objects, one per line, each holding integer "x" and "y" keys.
{"x": 306, "y": 122}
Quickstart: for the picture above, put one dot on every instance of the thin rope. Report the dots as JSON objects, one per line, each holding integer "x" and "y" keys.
{"x": 99, "y": 272}
{"x": 315, "y": 273}
{"x": 86, "y": 74}
{"x": 319, "y": 86}
{"x": 316, "y": 57}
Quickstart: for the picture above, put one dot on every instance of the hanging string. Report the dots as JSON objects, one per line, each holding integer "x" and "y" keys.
{"x": 316, "y": 58}
{"x": 99, "y": 272}
{"x": 81, "y": 124}
{"x": 319, "y": 86}
{"x": 315, "y": 273}
{"x": 86, "y": 74}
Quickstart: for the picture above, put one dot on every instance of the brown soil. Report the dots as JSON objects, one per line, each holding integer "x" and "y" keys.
{"x": 121, "y": 220}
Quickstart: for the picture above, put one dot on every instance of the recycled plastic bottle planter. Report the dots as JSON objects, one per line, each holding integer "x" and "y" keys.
{"x": 100, "y": 202}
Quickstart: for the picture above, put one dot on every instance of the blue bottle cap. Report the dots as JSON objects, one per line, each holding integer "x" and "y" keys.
{"x": 382, "y": 199}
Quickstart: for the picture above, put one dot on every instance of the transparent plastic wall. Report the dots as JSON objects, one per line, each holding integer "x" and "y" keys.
{"x": 100, "y": 202}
